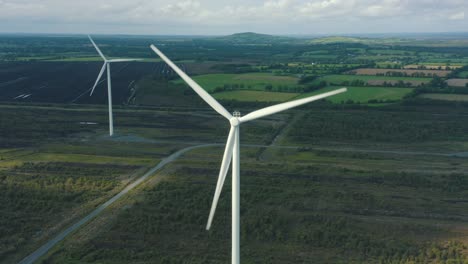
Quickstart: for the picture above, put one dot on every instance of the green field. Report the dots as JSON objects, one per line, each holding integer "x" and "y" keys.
{"x": 319, "y": 56}
{"x": 255, "y": 96}
{"x": 378, "y": 57}
{"x": 364, "y": 94}
{"x": 315, "y": 52}
{"x": 440, "y": 64}
{"x": 337, "y": 78}
{"x": 391, "y": 52}
{"x": 258, "y": 81}
{"x": 454, "y": 61}
{"x": 463, "y": 75}
{"x": 250, "y": 81}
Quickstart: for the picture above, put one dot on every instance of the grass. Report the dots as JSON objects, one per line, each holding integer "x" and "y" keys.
{"x": 253, "y": 96}
{"x": 363, "y": 94}
{"x": 92, "y": 159}
{"x": 463, "y": 74}
{"x": 90, "y": 59}
{"x": 376, "y": 57}
{"x": 251, "y": 81}
{"x": 315, "y": 52}
{"x": 336, "y": 78}
{"x": 319, "y": 56}
{"x": 41, "y": 193}
{"x": 446, "y": 97}
{"x": 391, "y": 52}
{"x": 441, "y": 64}
{"x": 463, "y": 61}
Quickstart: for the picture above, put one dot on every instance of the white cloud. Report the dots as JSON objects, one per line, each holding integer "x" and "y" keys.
{"x": 277, "y": 4}
{"x": 386, "y": 8}
{"x": 458, "y": 16}
{"x": 189, "y": 7}
{"x": 267, "y": 15}
{"x": 326, "y": 8}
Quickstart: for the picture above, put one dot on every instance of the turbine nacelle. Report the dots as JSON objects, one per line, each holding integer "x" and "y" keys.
{"x": 106, "y": 64}
{"x": 235, "y": 119}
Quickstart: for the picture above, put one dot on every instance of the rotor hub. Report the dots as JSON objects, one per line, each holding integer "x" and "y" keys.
{"x": 234, "y": 121}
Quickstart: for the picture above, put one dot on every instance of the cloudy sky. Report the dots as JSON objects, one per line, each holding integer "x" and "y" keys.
{"x": 217, "y": 17}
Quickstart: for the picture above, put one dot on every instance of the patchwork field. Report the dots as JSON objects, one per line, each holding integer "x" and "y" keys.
{"x": 395, "y": 83}
{"x": 248, "y": 81}
{"x": 431, "y": 67}
{"x": 255, "y": 96}
{"x": 419, "y": 73}
{"x": 364, "y": 94}
{"x": 338, "y": 79}
{"x": 446, "y": 97}
{"x": 463, "y": 74}
{"x": 457, "y": 82}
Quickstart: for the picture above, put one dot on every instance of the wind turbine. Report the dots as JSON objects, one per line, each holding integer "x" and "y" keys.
{"x": 232, "y": 150}
{"x": 109, "y": 84}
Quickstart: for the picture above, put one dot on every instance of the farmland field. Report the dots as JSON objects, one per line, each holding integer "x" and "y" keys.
{"x": 395, "y": 83}
{"x": 371, "y": 79}
{"x": 432, "y": 66}
{"x": 457, "y": 82}
{"x": 364, "y": 94}
{"x": 463, "y": 74}
{"x": 255, "y": 96}
{"x": 248, "y": 81}
{"x": 446, "y": 97}
{"x": 379, "y": 57}
{"x": 428, "y": 73}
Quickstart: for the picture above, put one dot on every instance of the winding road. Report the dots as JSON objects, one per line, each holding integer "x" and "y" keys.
{"x": 51, "y": 243}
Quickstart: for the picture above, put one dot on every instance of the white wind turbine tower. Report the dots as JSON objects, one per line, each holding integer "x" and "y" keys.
{"x": 109, "y": 84}
{"x": 233, "y": 146}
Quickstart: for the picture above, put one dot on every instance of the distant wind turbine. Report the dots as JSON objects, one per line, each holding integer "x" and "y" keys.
{"x": 233, "y": 146}
{"x": 109, "y": 84}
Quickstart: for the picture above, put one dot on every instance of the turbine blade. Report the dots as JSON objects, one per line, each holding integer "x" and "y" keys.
{"x": 197, "y": 88}
{"x": 98, "y": 78}
{"x": 222, "y": 174}
{"x": 124, "y": 60}
{"x": 284, "y": 106}
{"x": 97, "y": 48}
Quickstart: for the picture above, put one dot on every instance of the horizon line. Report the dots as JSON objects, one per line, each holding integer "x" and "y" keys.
{"x": 228, "y": 34}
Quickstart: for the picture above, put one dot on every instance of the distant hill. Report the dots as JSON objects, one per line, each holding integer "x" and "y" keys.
{"x": 254, "y": 38}
{"x": 343, "y": 39}
{"x": 251, "y": 38}
{"x": 337, "y": 39}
